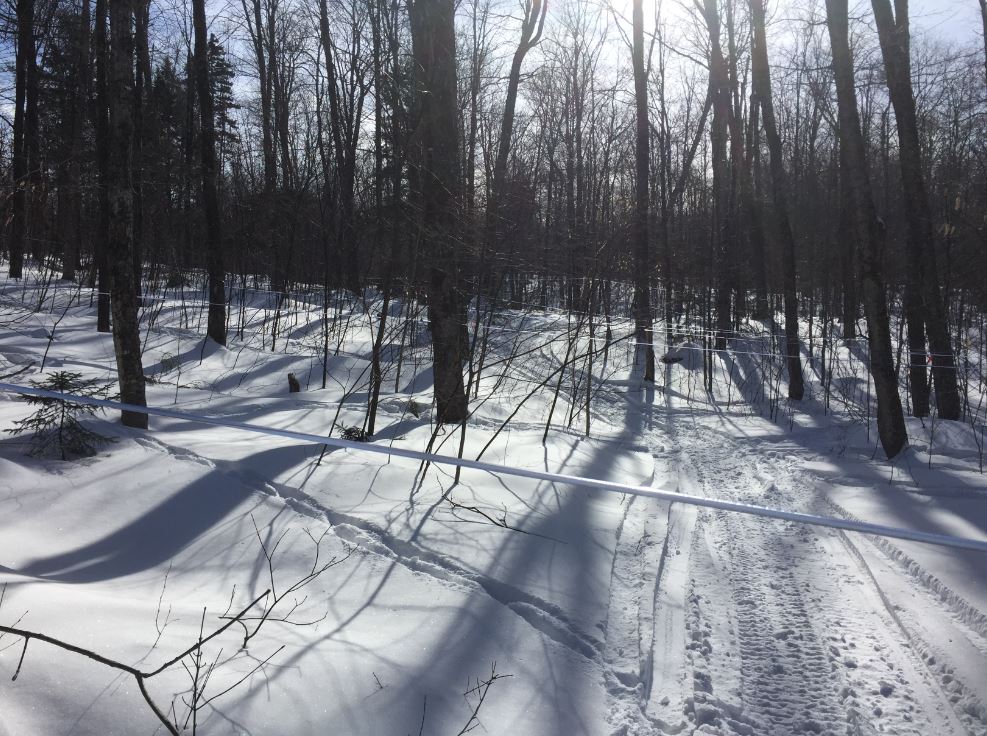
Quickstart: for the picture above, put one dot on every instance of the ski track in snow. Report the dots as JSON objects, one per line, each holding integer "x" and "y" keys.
{"x": 764, "y": 628}
{"x": 369, "y": 538}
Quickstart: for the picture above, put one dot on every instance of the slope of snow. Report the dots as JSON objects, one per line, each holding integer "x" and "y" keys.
{"x": 611, "y": 614}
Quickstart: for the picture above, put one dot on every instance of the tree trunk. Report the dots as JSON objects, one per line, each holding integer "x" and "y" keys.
{"x": 868, "y": 232}
{"x": 848, "y": 258}
{"x": 917, "y": 374}
{"x": 123, "y": 292}
{"x": 642, "y": 158}
{"x": 397, "y": 142}
{"x": 758, "y": 253}
{"x": 434, "y": 50}
{"x": 101, "y": 125}
{"x": 723, "y": 230}
{"x": 761, "y": 78}
{"x": 894, "y": 36}
{"x": 216, "y": 323}
{"x": 25, "y": 61}
{"x": 142, "y": 84}
{"x": 71, "y": 235}
{"x": 745, "y": 211}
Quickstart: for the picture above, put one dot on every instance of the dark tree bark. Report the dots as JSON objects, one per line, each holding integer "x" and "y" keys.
{"x": 71, "y": 223}
{"x": 915, "y": 322}
{"x": 758, "y": 252}
{"x": 867, "y": 230}
{"x": 142, "y": 82}
{"x": 895, "y": 41}
{"x": 761, "y": 78}
{"x": 723, "y": 230}
{"x": 101, "y": 125}
{"x": 644, "y": 335}
{"x": 24, "y": 74}
{"x": 216, "y": 327}
{"x": 434, "y": 44}
{"x": 745, "y": 210}
{"x": 391, "y": 56}
{"x": 123, "y": 291}
{"x": 848, "y": 258}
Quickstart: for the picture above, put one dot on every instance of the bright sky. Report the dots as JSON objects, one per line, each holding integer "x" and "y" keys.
{"x": 955, "y": 20}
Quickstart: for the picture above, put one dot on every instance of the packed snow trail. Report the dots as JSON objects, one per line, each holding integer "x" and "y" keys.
{"x": 769, "y": 628}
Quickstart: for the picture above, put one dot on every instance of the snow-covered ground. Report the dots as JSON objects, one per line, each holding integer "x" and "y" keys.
{"x": 611, "y": 614}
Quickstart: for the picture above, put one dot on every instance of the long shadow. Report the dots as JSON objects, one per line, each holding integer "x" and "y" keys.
{"x": 163, "y": 531}
{"x": 520, "y": 592}
{"x": 466, "y": 648}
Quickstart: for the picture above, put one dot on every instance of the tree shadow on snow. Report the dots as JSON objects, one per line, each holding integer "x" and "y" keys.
{"x": 559, "y": 589}
{"x": 164, "y": 530}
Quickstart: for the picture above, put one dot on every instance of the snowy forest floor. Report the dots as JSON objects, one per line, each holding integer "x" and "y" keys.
{"x": 612, "y": 614}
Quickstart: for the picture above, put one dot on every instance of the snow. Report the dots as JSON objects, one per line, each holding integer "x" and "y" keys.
{"x": 611, "y": 614}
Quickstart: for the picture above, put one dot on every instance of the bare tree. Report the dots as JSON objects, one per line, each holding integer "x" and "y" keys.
{"x": 346, "y": 88}
{"x": 922, "y": 267}
{"x": 724, "y": 229}
{"x": 123, "y": 292}
{"x": 440, "y": 182}
{"x": 869, "y": 233}
{"x": 216, "y": 327}
{"x": 531, "y": 30}
{"x": 25, "y": 84}
{"x": 642, "y": 201}
{"x": 101, "y": 126}
{"x": 70, "y": 219}
{"x": 779, "y": 189}
{"x": 256, "y": 28}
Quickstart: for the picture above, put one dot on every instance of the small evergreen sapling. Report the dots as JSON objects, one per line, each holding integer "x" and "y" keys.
{"x": 55, "y": 426}
{"x": 355, "y": 434}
